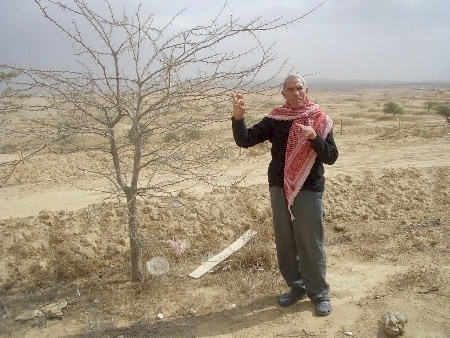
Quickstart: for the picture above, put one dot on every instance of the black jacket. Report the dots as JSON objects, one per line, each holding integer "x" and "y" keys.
{"x": 276, "y": 132}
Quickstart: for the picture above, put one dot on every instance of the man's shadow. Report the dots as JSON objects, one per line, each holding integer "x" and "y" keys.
{"x": 213, "y": 324}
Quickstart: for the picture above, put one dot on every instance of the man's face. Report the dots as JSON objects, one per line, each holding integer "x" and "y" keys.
{"x": 295, "y": 93}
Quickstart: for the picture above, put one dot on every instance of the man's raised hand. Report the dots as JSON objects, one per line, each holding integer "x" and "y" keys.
{"x": 238, "y": 106}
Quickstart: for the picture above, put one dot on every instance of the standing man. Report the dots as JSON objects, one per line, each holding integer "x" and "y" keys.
{"x": 302, "y": 141}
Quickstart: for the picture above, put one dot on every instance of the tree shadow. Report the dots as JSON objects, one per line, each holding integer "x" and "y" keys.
{"x": 213, "y": 324}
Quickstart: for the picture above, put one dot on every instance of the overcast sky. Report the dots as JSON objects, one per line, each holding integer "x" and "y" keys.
{"x": 376, "y": 40}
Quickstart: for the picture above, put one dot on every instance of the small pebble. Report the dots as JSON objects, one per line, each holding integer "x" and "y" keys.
{"x": 191, "y": 312}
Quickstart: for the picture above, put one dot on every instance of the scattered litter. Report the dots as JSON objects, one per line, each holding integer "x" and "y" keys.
{"x": 50, "y": 311}
{"x": 29, "y": 314}
{"x": 54, "y": 310}
{"x": 157, "y": 266}
{"x": 160, "y": 316}
{"x": 178, "y": 246}
{"x": 191, "y": 312}
{"x": 213, "y": 261}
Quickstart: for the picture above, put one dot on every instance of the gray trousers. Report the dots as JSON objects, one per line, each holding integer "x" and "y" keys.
{"x": 300, "y": 243}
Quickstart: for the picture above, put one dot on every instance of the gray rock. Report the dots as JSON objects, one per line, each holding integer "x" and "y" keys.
{"x": 394, "y": 323}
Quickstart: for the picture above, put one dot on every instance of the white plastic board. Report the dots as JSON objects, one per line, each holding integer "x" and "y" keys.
{"x": 213, "y": 261}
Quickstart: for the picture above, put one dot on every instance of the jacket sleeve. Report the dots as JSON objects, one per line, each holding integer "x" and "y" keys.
{"x": 326, "y": 149}
{"x": 246, "y": 138}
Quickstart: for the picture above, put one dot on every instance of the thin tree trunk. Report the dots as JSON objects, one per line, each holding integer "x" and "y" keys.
{"x": 133, "y": 219}
{"x": 135, "y": 244}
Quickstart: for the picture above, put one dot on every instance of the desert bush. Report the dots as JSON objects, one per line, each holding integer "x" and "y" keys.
{"x": 392, "y": 108}
{"x": 133, "y": 132}
{"x": 193, "y": 135}
{"x": 444, "y": 111}
{"x": 424, "y": 133}
{"x": 171, "y": 137}
{"x": 430, "y": 105}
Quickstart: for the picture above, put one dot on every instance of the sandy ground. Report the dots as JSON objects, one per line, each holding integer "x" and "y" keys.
{"x": 387, "y": 225}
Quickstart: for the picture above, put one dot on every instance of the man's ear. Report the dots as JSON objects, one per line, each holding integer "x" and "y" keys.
{"x": 306, "y": 89}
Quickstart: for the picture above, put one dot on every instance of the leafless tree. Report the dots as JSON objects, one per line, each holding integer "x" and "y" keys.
{"x": 148, "y": 91}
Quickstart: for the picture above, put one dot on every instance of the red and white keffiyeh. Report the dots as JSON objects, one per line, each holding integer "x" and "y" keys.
{"x": 300, "y": 156}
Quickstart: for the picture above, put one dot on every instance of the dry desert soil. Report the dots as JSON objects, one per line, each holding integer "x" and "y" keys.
{"x": 387, "y": 239}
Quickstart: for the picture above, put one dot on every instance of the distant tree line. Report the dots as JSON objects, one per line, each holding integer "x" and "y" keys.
{"x": 442, "y": 109}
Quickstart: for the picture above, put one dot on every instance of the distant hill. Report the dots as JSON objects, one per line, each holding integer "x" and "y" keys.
{"x": 329, "y": 84}
{"x": 333, "y": 83}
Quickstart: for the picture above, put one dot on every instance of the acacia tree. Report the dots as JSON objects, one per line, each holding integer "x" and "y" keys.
{"x": 392, "y": 108}
{"x": 145, "y": 89}
{"x": 430, "y": 105}
{"x": 444, "y": 111}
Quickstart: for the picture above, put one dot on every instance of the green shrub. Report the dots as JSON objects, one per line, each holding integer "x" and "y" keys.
{"x": 392, "y": 108}
{"x": 133, "y": 133}
{"x": 171, "y": 137}
{"x": 424, "y": 133}
{"x": 193, "y": 135}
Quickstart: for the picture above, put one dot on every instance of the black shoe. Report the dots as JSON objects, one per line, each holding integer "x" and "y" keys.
{"x": 291, "y": 297}
{"x": 323, "y": 305}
